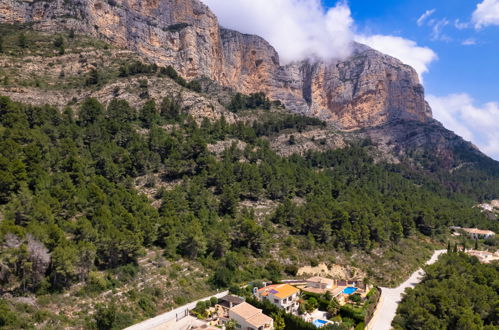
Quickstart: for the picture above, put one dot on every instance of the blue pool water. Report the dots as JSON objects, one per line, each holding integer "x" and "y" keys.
{"x": 349, "y": 290}
{"x": 319, "y": 323}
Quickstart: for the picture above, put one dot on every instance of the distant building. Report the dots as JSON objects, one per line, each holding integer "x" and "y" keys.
{"x": 478, "y": 233}
{"x": 485, "y": 257}
{"x": 322, "y": 283}
{"x": 248, "y": 317}
{"x": 283, "y": 296}
{"x": 230, "y": 301}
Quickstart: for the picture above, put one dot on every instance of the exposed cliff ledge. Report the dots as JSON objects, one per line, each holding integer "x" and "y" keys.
{"x": 365, "y": 90}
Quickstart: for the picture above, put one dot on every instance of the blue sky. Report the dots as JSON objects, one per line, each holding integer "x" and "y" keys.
{"x": 472, "y": 69}
{"x": 452, "y": 44}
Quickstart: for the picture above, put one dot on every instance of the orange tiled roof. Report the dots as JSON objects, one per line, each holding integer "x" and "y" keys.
{"x": 282, "y": 290}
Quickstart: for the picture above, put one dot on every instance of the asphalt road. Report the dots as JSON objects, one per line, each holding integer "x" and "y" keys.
{"x": 390, "y": 298}
{"x": 168, "y": 317}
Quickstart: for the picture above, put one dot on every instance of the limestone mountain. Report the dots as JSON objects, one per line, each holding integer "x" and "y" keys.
{"x": 370, "y": 93}
{"x": 167, "y": 184}
{"x": 365, "y": 90}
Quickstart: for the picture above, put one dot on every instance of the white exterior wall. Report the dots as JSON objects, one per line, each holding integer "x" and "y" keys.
{"x": 318, "y": 285}
{"x": 289, "y": 304}
{"x": 478, "y": 236}
{"x": 243, "y": 325}
{"x": 239, "y": 320}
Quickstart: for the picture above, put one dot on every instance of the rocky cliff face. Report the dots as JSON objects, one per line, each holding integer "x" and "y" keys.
{"x": 368, "y": 89}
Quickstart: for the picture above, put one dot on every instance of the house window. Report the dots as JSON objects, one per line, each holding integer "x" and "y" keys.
{"x": 276, "y": 301}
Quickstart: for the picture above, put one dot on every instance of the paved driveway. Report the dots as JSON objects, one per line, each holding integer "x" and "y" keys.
{"x": 390, "y": 298}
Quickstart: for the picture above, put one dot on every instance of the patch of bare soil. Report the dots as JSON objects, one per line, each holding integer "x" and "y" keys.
{"x": 337, "y": 272}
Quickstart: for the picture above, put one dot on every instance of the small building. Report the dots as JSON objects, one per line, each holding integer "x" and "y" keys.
{"x": 478, "y": 233}
{"x": 322, "y": 283}
{"x": 230, "y": 301}
{"x": 283, "y": 296}
{"x": 224, "y": 305}
{"x": 485, "y": 257}
{"x": 248, "y": 317}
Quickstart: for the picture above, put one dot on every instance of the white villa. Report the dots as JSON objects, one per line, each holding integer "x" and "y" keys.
{"x": 283, "y": 296}
{"x": 248, "y": 317}
{"x": 478, "y": 233}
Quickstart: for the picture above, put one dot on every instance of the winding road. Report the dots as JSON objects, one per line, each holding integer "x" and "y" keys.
{"x": 390, "y": 298}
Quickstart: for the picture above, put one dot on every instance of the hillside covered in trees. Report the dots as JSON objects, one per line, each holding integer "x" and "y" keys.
{"x": 91, "y": 188}
{"x": 458, "y": 292}
{"x": 70, "y": 207}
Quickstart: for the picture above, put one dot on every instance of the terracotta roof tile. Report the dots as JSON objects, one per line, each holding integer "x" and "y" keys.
{"x": 259, "y": 320}
{"x": 245, "y": 310}
{"x": 281, "y": 291}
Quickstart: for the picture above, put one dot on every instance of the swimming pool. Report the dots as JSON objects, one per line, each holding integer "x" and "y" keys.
{"x": 319, "y": 323}
{"x": 349, "y": 290}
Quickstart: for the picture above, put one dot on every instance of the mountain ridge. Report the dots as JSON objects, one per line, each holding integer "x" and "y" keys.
{"x": 365, "y": 90}
{"x": 135, "y": 191}
{"x": 370, "y": 94}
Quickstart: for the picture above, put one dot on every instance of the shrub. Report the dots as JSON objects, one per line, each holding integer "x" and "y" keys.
{"x": 93, "y": 78}
{"x": 136, "y": 68}
{"x": 223, "y": 277}
{"x": 59, "y": 41}
{"x": 353, "y": 313}
{"x": 253, "y": 101}
{"x": 143, "y": 83}
{"x": 170, "y": 108}
{"x": 22, "y": 40}
{"x": 147, "y": 305}
{"x": 195, "y": 86}
{"x": 355, "y": 298}
{"x": 291, "y": 270}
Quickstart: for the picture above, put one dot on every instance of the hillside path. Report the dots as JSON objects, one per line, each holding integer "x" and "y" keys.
{"x": 390, "y": 298}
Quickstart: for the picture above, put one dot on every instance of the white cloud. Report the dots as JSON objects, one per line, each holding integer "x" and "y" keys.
{"x": 405, "y": 50}
{"x": 469, "y": 42}
{"x": 486, "y": 13}
{"x": 298, "y": 29}
{"x": 437, "y": 30}
{"x": 461, "y": 25}
{"x": 423, "y": 17}
{"x": 478, "y": 124}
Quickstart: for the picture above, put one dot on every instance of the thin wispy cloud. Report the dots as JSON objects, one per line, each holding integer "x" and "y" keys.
{"x": 437, "y": 25}
{"x": 469, "y": 42}
{"x": 421, "y": 20}
{"x": 461, "y": 25}
{"x": 437, "y": 33}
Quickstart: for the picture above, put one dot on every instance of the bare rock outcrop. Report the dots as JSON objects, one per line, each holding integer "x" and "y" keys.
{"x": 365, "y": 90}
